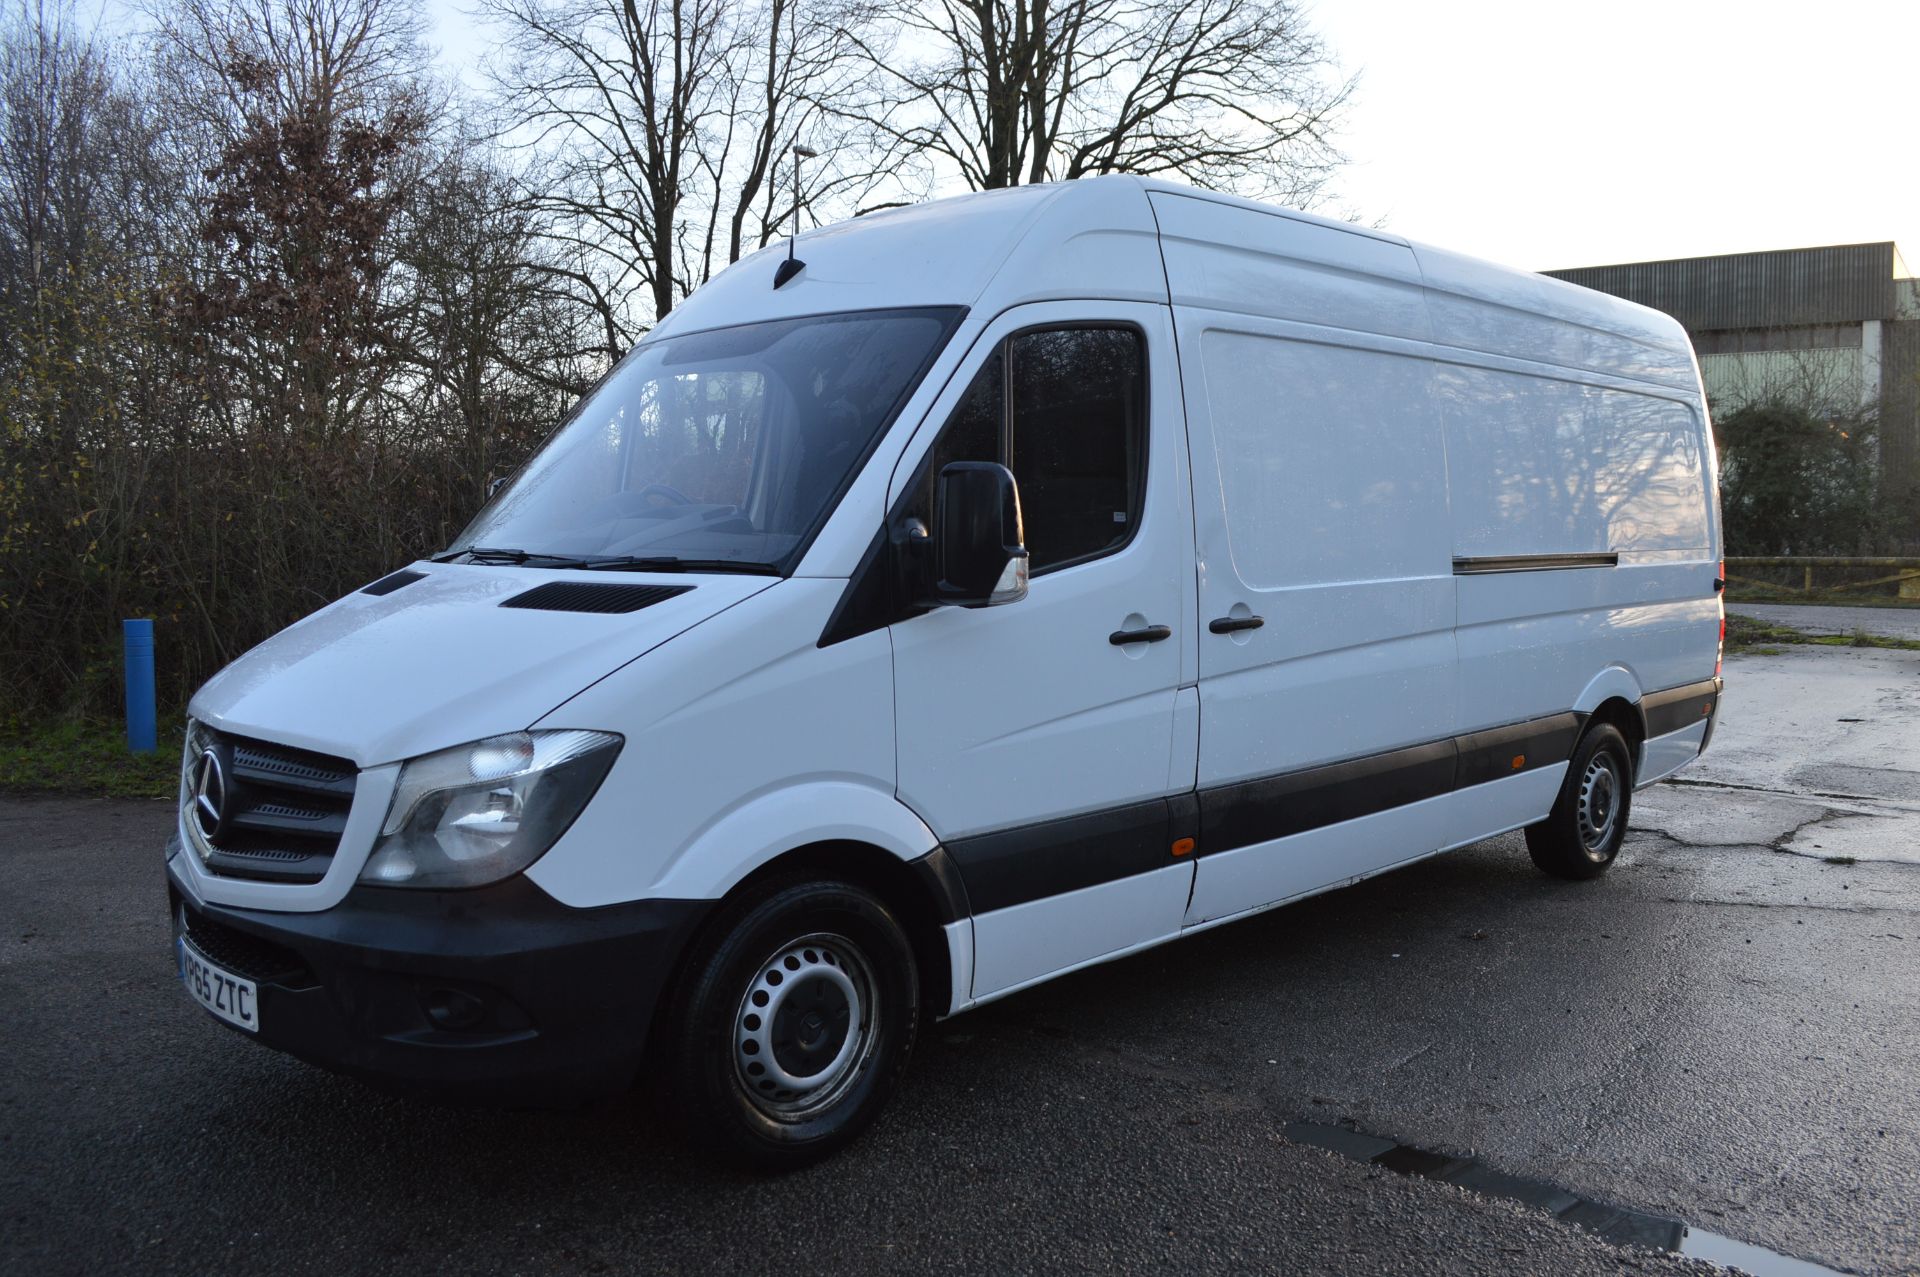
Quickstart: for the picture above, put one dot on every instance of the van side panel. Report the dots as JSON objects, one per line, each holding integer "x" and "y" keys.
{"x": 1321, "y": 508}
{"x": 1542, "y": 464}
{"x": 1539, "y": 464}
{"x": 1324, "y": 512}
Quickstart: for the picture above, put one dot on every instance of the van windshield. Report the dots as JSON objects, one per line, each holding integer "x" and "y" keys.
{"x": 720, "y": 450}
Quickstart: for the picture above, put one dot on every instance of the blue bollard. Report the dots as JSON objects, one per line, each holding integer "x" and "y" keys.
{"x": 142, "y": 724}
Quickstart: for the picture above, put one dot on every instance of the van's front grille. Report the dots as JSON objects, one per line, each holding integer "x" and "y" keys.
{"x": 262, "y": 810}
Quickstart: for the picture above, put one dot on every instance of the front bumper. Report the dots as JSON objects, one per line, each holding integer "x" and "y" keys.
{"x": 492, "y": 995}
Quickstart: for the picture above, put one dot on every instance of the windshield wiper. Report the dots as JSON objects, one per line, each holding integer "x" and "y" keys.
{"x": 674, "y": 563}
{"x": 489, "y": 554}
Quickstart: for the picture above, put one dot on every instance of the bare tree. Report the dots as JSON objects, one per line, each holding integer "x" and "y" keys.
{"x": 659, "y": 134}
{"x": 494, "y": 351}
{"x": 315, "y": 114}
{"x": 1238, "y": 94}
{"x": 75, "y": 159}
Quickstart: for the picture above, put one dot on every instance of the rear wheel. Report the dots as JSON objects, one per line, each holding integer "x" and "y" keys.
{"x": 1581, "y": 836}
{"x": 792, "y": 1025}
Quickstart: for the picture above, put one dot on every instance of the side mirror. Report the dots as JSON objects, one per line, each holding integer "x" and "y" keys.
{"x": 980, "y": 551}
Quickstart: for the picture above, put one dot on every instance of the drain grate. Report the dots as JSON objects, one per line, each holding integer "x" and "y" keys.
{"x": 1616, "y": 1224}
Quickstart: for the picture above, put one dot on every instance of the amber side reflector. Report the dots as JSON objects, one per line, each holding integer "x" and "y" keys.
{"x": 1519, "y": 761}
{"x": 1182, "y": 846}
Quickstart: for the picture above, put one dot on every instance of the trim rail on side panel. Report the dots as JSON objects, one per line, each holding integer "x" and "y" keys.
{"x": 1532, "y": 563}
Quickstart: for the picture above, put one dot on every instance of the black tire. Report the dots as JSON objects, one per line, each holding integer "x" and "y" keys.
{"x": 1582, "y": 834}
{"x": 834, "y": 972}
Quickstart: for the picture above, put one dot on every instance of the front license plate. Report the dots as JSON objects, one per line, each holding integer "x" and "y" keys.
{"x": 226, "y": 995}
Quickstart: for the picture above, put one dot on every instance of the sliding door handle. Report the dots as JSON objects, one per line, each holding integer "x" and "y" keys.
{"x": 1234, "y": 624}
{"x": 1149, "y": 634}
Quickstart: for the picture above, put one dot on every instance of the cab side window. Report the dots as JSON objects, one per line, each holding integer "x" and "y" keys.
{"x": 1065, "y": 410}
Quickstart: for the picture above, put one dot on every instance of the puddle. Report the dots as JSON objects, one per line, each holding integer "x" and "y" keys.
{"x": 1618, "y": 1224}
{"x": 1758, "y": 1260}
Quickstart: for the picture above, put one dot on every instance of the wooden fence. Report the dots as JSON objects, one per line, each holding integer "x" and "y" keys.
{"x": 1895, "y": 580}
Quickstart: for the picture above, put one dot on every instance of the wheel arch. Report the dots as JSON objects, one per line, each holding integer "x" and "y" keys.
{"x": 925, "y": 893}
{"x": 1613, "y": 696}
{"x": 1632, "y": 724}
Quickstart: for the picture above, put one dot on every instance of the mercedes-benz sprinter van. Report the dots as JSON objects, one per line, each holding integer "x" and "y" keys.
{"x": 1011, "y": 584}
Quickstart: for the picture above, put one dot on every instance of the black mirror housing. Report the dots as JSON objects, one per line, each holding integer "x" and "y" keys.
{"x": 980, "y": 547}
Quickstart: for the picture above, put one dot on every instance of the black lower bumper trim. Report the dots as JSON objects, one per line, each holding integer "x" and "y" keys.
{"x": 1678, "y": 708}
{"x": 494, "y": 995}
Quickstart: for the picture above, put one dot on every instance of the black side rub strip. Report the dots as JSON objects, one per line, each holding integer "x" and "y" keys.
{"x": 1679, "y": 707}
{"x": 1258, "y": 810}
{"x": 1532, "y": 563}
{"x": 1013, "y": 866}
{"x": 1503, "y": 751}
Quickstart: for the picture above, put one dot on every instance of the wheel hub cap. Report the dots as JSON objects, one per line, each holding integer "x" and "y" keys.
{"x": 1599, "y": 804}
{"x": 806, "y": 1026}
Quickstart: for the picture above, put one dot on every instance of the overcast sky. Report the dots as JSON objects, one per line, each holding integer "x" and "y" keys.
{"x": 1549, "y": 134}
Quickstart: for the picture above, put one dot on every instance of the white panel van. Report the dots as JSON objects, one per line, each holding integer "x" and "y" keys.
{"x": 1017, "y": 582}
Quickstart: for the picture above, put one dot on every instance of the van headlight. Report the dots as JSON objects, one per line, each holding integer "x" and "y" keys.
{"x": 476, "y": 813}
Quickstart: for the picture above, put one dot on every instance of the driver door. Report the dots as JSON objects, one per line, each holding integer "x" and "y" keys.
{"x": 1042, "y": 740}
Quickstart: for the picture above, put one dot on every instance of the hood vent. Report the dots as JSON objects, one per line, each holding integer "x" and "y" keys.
{"x": 388, "y": 584}
{"x": 589, "y": 596}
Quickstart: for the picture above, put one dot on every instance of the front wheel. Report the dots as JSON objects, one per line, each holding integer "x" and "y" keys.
{"x": 792, "y": 1025}
{"x": 1582, "y": 834}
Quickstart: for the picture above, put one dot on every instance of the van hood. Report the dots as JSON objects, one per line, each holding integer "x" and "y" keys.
{"x": 440, "y": 661}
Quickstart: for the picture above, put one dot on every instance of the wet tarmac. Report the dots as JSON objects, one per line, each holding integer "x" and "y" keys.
{"x": 1723, "y": 1031}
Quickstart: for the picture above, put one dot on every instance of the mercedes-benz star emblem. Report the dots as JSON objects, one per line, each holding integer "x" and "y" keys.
{"x": 209, "y": 793}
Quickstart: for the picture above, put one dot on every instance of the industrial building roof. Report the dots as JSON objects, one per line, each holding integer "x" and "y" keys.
{"x": 1841, "y": 283}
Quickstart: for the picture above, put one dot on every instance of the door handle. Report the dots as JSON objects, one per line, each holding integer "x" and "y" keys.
{"x": 1234, "y": 624}
{"x": 1150, "y": 634}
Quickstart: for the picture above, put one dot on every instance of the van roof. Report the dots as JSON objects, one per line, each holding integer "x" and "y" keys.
{"x": 1099, "y": 238}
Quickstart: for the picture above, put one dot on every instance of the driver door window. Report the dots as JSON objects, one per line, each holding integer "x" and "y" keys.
{"x": 1065, "y": 410}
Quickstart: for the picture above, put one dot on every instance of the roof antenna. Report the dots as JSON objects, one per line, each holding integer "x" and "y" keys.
{"x": 793, "y": 265}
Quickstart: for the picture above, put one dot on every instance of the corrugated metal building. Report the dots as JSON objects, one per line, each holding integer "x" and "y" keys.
{"x": 1835, "y": 328}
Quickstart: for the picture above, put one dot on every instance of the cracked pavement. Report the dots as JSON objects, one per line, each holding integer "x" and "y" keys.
{"x": 1818, "y": 754}
{"x": 1725, "y": 1028}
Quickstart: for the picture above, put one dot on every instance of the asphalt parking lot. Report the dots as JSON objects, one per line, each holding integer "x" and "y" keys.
{"x": 1725, "y": 1029}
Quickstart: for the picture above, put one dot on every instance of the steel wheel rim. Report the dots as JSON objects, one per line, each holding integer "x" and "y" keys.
{"x": 1599, "y": 806}
{"x": 806, "y": 1027}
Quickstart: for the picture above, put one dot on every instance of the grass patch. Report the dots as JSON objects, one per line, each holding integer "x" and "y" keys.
{"x": 1823, "y": 598}
{"x": 1860, "y": 638}
{"x": 88, "y": 757}
{"x": 1762, "y": 638}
